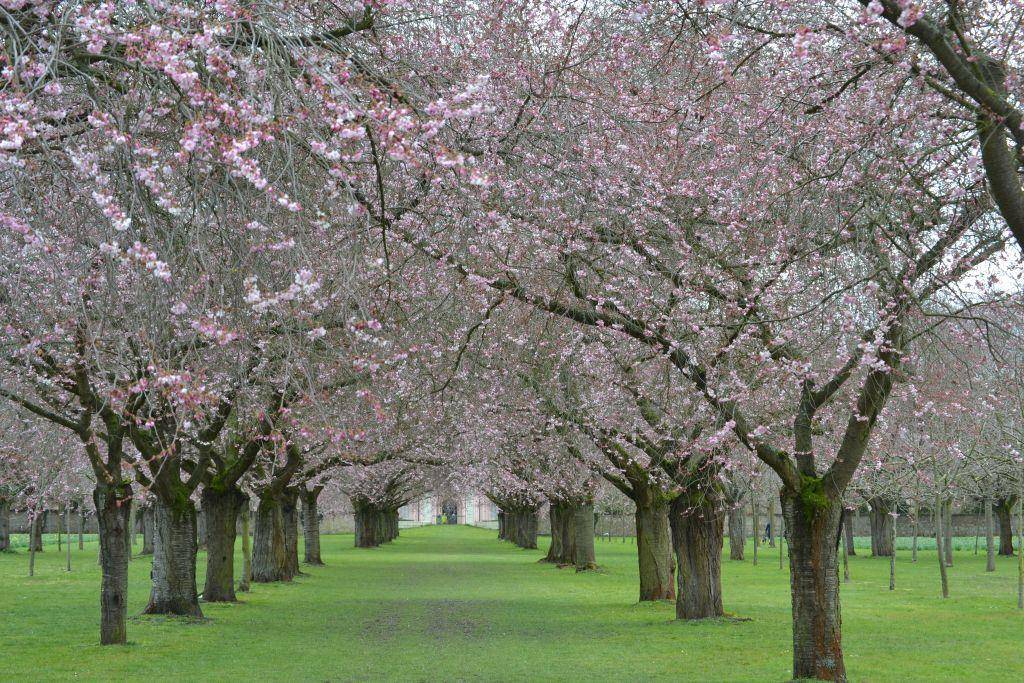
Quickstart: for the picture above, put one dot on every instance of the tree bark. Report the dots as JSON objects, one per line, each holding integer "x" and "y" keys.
{"x": 563, "y": 534}
{"x": 220, "y": 510}
{"x": 812, "y": 531}
{"x": 737, "y": 534}
{"x": 81, "y": 525}
{"x": 246, "y": 580}
{"x": 990, "y": 541}
{"x": 5, "y": 526}
{"x": 698, "y": 537}
{"x": 583, "y": 552}
{"x": 881, "y": 527}
{"x": 948, "y": 527}
{"x": 36, "y": 535}
{"x": 1004, "y": 515}
{"x": 311, "y": 525}
{"x": 174, "y": 560}
{"x": 147, "y": 529}
{"x": 112, "y": 516}
{"x": 940, "y": 540}
{"x": 290, "y": 518}
{"x": 654, "y": 551}
{"x": 367, "y": 522}
{"x": 268, "y": 557}
{"x": 501, "y": 525}
{"x": 848, "y": 533}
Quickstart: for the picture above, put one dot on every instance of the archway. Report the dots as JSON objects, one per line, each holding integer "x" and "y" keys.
{"x": 449, "y": 512}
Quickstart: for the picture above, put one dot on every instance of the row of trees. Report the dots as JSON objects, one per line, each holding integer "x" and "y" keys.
{"x": 252, "y": 249}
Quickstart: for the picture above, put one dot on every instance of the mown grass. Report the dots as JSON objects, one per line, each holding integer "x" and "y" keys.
{"x": 453, "y": 603}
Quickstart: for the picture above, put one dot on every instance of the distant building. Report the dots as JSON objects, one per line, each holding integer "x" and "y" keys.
{"x": 474, "y": 509}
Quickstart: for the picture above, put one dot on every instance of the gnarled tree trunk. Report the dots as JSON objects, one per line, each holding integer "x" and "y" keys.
{"x": 268, "y": 556}
{"x": 220, "y": 510}
{"x": 174, "y": 560}
{"x": 112, "y": 516}
{"x": 654, "y": 550}
{"x": 311, "y": 525}
{"x": 881, "y": 527}
{"x": 698, "y": 537}
{"x": 501, "y": 525}
{"x": 812, "y": 531}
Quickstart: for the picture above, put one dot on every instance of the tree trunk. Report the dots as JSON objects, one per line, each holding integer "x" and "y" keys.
{"x": 67, "y": 529}
{"x": 243, "y": 584}
{"x": 563, "y": 534}
{"x": 654, "y": 551}
{"x": 147, "y": 530}
{"x": 812, "y": 531}
{"x": 174, "y": 560}
{"x": 771, "y": 523}
{"x": 521, "y": 527}
{"x": 881, "y": 527}
{"x": 698, "y": 537}
{"x": 583, "y": 555}
{"x": 990, "y": 541}
{"x": 367, "y": 522}
{"x": 112, "y": 516}
{"x": 5, "y": 526}
{"x": 311, "y": 525}
{"x": 757, "y": 527}
{"x": 1004, "y": 515}
{"x": 32, "y": 546}
{"x": 81, "y": 525}
{"x": 220, "y": 510}
{"x": 36, "y": 532}
{"x": 737, "y": 534}
{"x": 940, "y": 540}
{"x": 948, "y": 527}
{"x": 290, "y": 518}
{"x": 501, "y": 525}
{"x": 268, "y": 561}
{"x": 848, "y": 532}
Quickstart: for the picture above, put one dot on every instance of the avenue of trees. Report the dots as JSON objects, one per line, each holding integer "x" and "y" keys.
{"x": 258, "y": 260}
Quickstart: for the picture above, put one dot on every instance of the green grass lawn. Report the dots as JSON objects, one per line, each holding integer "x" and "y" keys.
{"x": 453, "y": 603}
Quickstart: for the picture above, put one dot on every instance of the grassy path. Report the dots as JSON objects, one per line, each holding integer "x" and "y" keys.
{"x": 452, "y": 603}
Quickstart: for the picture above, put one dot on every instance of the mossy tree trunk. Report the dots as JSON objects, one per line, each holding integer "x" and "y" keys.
{"x": 812, "y": 531}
